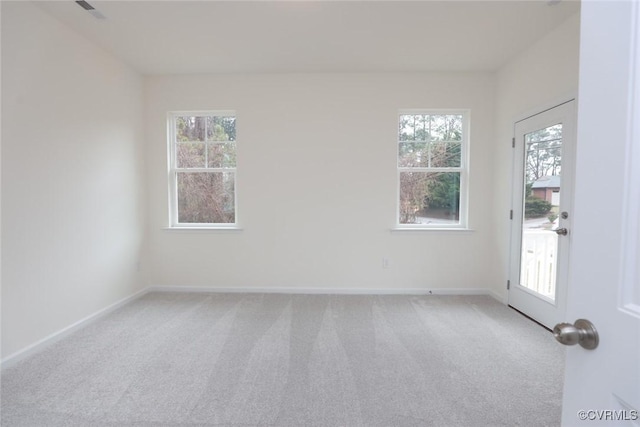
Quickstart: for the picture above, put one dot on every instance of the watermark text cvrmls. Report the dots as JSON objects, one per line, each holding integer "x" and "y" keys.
{"x": 608, "y": 415}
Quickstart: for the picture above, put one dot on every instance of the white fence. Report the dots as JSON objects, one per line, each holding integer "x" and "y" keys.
{"x": 538, "y": 265}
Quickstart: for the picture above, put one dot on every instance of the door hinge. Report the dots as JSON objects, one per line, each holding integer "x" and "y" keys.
{"x": 511, "y": 214}
{"x": 508, "y": 284}
{"x": 513, "y": 142}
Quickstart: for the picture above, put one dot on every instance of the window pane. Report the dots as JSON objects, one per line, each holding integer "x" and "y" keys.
{"x": 414, "y": 127}
{"x": 422, "y": 127}
{"x": 221, "y": 155}
{"x": 221, "y": 128}
{"x": 190, "y": 128}
{"x": 446, "y": 154}
{"x": 206, "y": 197}
{"x": 542, "y": 189}
{"x": 552, "y": 133}
{"x": 413, "y": 154}
{"x": 543, "y": 153}
{"x": 446, "y": 128}
{"x": 190, "y": 154}
{"x": 429, "y": 198}
{"x": 406, "y": 128}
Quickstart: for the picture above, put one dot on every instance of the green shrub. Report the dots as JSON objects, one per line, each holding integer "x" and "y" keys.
{"x": 535, "y": 208}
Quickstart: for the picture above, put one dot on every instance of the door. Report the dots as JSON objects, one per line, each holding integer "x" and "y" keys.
{"x": 603, "y": 385}
{"x": 544, "y": 153}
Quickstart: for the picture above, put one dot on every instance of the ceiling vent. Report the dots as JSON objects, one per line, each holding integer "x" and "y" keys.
{"x": 92, "y": 10}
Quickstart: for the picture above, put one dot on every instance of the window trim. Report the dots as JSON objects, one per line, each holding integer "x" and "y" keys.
{"x": 172, "y": 173}
{"x": 463, "y": 169}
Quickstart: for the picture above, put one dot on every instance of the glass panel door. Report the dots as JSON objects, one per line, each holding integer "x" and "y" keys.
{"x": 541, "y": 203}
{"x": 544, "y": 153}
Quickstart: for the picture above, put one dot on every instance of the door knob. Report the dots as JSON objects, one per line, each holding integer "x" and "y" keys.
{"x": 562, "y": 231}
{"x": 581, "y": 332}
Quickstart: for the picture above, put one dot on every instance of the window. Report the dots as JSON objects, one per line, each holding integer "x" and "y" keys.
{"x": 432, "y": 169}
{"x": 202, "y": 169}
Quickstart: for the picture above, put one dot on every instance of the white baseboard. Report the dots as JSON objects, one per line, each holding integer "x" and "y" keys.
{"x": 500, "y": 298}
{"x": 325, "y": 291}
{"x": 14, "y": 358}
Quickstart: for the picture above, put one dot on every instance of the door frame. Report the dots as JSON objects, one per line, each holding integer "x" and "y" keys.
{"x": 546, "y": 307}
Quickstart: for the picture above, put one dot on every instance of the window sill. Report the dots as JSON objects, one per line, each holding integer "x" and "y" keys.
{"x": 421, "y": 229}
{"x": 203, "y": 229}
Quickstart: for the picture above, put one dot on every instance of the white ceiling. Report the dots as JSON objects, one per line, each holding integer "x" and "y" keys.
{"x": 168, "y": 37}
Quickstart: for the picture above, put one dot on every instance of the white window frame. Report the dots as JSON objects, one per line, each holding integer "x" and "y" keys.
{"x": 173, "y": 172}
{"x": 463, "y": 169}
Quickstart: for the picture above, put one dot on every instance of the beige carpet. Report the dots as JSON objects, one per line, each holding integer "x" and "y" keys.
{"x": 179, "y": 359}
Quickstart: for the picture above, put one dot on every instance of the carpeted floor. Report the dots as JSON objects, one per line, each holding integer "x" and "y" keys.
{"x": 184, "y": 359}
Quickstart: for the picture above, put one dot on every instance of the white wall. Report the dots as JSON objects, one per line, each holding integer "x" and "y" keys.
{"x": 316, "y": 177}
{"x": 317, "y": 184}
{"x": 71, "y": 177}
{"x": 544, "y": 75}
